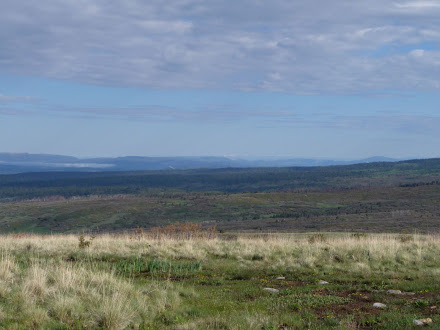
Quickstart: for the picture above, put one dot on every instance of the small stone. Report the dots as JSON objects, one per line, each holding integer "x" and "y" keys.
{"x": 271, "y": 290}
{"x": 433, "y": 307}
{"x": 323, "y": 282}
{"x": 379, "y": 305}
{"x": 281, "y": 278}
{"x": 394, "y": 292}
{"x": 408, "y": 293}
{"x": 422, "y": 322}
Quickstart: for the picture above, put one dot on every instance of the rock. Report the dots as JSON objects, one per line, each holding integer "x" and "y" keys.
{"x": 422, "y": 322}
{"x": 398, "y": 292}
{"x": 271, "y": 290}
{"x": 379, "y": 305}
{"x": 323, "y": 282}
{"x": 280, "y": 278}
{"x": 394, "y": 292}
{"x": 433, "y": 307}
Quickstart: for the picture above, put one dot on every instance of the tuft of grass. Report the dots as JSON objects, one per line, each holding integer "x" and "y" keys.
{"x": 125, "y": 282}
{"x": 76, "y": 296}
{"x": 138, "y": 265}
{"x": 317, "y": 238}
{"x": 297, "y": 301}
{"x": 359, "y": 235}
{"x": 405, "y": 238}
{"x": 83, "y": 242}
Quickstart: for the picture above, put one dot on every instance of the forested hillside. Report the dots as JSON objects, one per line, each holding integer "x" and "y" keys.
{"x": 231, "y": 180}
{"x": 379, "y": 197}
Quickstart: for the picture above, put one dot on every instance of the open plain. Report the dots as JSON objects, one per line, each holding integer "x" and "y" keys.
{"x": 278, "y": 281}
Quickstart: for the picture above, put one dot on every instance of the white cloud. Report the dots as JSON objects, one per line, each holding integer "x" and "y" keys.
{"x": 18, "y": 99}
{"x": 417, "y": 52}
{"x": 165, "y": 27}
{"x": 282, "y": 45}
{"x": 418, "y": 5}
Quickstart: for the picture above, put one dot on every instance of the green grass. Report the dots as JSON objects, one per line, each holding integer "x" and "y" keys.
{"x": 139, "y": 266}
{"x": 117, "y": 282}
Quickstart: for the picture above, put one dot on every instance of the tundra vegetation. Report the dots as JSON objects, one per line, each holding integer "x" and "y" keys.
{"x": 103, "y": 250}
{"x": 377, "y": 197}
{"x": 190, "y": 278}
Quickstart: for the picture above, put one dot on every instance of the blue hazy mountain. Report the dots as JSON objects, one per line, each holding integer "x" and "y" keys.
{"x": 24, "y": 162}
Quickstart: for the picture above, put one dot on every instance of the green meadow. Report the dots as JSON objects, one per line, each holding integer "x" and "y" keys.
{"x": 225, "y": 282}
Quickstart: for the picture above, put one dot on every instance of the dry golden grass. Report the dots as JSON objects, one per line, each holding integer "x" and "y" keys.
{"x": 44, "y": 288}
{"x": 282, "y": 250}
{"x": 52, "y": 291}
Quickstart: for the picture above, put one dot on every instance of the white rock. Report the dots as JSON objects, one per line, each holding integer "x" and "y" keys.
{"x": 281, "y": 278}
{"x": 271, "y": 290}
{"x": 323, "y": 282}
{"x": 379, "y": 305}
{"x": 422, "y": 322}
{"x": 394, "y": 291}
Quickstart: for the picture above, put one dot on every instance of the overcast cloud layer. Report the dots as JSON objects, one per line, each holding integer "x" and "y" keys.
{"x": 285, "y": 46}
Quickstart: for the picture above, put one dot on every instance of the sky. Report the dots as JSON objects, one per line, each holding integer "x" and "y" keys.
{"x": 336, "y": 79}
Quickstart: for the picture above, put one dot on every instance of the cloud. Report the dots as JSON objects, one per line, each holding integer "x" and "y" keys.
{"x": 272, "y": 116}
{"x": 4, "y": 111}
{"x": 156, "y": 113}
{"x": 402, "y": 127}
{"x": 18, "y": 99}
{"x": 424, "y": 5}
{"x": 397, "y": 123}
{"x": 286, "y": 46}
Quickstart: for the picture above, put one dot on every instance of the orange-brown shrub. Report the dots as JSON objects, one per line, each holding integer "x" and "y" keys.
{"x": 137, "y": 234}
{"x": 183, "y": 231}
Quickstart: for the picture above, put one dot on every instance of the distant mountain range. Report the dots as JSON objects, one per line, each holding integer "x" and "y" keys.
{"x": 22, "y": 162}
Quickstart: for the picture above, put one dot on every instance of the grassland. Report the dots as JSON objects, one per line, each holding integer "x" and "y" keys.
{"x": 378, "y": 197}
{"x": 135, "y": 281}
{"x": 380, "y": 209}
{"x": 327, "y": 222}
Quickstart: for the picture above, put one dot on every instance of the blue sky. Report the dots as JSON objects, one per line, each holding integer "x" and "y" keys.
{"x": 281, "y": 78}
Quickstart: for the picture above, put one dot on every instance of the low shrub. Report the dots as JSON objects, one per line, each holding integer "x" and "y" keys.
{"x": 183, "y": 231}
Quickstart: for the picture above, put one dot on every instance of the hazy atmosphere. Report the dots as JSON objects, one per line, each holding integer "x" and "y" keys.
{"x": 341, "y": 79}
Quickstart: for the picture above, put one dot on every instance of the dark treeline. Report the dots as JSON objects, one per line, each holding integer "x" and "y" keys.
{"x": 230, "y": 180}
